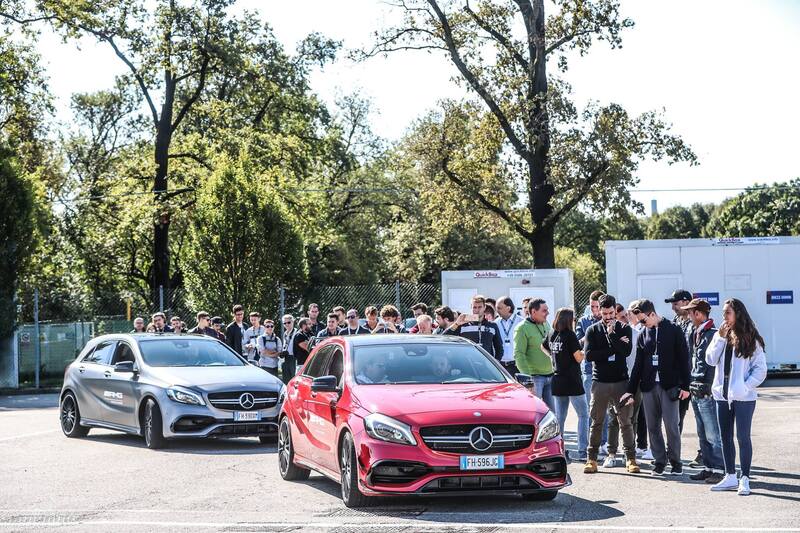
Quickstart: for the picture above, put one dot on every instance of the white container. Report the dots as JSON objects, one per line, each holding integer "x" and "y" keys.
{"x": 762, "y": 272}
{"x": 555, "y": 286}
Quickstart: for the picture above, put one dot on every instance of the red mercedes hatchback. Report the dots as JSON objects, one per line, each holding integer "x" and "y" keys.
{"x": 422, "y": 415}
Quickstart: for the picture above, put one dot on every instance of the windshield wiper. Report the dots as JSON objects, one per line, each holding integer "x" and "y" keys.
{"x": 461, "y": 380}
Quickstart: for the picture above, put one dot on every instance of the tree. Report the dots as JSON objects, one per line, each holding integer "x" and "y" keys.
{"x": 242, "y": 244}
{"x": 760, "y": 211}
{"x": 559, "y": 157}
{"x": 680, "y": 222}
{"x": 180, "y": 53}
{"x": 19, "y": 220}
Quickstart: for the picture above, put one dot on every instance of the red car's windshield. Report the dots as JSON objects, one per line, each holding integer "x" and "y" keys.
{"x": 421, "y": 363}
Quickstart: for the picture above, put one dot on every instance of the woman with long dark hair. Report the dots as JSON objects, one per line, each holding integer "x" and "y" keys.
{"x": 737, "y": 350}
{"x": 567, "y": 383}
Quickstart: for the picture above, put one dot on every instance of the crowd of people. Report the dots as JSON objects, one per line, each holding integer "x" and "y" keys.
{"x": 625, "y": 371}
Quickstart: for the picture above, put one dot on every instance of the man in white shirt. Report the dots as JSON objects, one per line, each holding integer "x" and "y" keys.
{"x": 251, "y": 335}
{"x": 507, "y": 322}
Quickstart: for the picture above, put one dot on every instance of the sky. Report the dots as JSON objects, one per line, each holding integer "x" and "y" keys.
{"x": 724, "y": 72}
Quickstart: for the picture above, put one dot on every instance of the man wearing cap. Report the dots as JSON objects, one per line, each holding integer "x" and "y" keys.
{"x": 702, "y": 376}
{"x": 679, "y": 299}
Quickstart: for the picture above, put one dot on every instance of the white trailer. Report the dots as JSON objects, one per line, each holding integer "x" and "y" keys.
{"x": 555, "y": 286}
{"x": 762, "y": 272}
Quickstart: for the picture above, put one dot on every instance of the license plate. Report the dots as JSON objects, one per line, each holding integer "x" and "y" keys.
{"x": 246, "y": 416}
{"x": 482, "y": 462}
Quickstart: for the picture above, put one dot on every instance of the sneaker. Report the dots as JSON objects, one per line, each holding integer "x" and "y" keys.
{"x": 610, "y": 462}
{"x": 697, "y": 462}
{"x": 701, "y": 475}
{"x": 632, "y": 467}
{"x": 648, "y": 455}
{"x": 714, "y": 478}
{"x": 603, "y": 449}
{"x": 744, "y": 486}
{"x": 640, "y": 452}
{"x": 676, "y": 469}
{"x": 657, "y": 470}
{"x": 729, "y": 482}
{"x": 590, "y": 467}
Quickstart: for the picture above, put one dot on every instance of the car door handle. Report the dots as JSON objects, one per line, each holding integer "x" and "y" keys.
{"x": 313, "y": 394}
{"x": 81, "y": 369}
{"x": 295, "y": 385}
{"x": 107, "y": 373}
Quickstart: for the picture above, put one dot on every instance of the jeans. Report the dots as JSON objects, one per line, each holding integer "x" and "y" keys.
{"x": 582, "y": 410}
{"x": 543, "y": 388}
{"x": 705, "y": 414}
{"x": 587, "y": 390}
{"x": 739, "y": 414}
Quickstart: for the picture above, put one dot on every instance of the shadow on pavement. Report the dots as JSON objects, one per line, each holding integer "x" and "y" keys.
{"x": 462, "y": 508}
{"x": 250, "y": 446}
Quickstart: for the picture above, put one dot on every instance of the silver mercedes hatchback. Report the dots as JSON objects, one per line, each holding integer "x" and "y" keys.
{"x": 164, "y": 386}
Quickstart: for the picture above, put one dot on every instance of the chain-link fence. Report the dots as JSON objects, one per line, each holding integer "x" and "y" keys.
{"x": 49, "y": 336}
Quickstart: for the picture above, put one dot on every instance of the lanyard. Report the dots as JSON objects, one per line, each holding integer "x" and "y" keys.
{"x": 507, "y": 330}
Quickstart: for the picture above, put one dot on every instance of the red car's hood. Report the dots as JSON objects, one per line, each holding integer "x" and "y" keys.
{"x": 433, "y": 404}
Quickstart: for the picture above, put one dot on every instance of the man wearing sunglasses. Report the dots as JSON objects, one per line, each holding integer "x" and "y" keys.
{"x": 353, "y": 327}
{"x": 269, "y": 348}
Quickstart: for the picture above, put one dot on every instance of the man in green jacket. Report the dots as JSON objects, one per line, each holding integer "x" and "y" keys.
{"x": 530, "y": 355}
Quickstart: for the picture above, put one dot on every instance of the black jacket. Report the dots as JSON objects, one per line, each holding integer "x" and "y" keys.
{"x": 673, "y": 359}
{"x": 608, "y": 352}
{"x": 486, "y": 335}
{"x": 233, "y": 337}
{"x": 701, "y": 371}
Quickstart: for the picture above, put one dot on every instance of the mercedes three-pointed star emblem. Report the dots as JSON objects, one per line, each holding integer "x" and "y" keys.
{"x": 247, "y": 401}
{"x": 481, "y": 438}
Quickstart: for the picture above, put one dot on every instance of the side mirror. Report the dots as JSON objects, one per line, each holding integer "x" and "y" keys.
{"x": 125, "y": 367}
{"x": 325, "y": 384}
{"x": 526, "y": 380}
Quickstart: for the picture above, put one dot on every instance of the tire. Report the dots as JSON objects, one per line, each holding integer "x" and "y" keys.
{"x": 153, "y": 426}
{"x": 70, "y": 417}
{"x": 544, "y": 496}
{"x": 348, "y": 466}
{"x": 289, "y": 471}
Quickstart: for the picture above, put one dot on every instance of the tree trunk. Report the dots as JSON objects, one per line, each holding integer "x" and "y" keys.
{"x": 541, "y": 191}
{"x": 543, "y": 242}
{"x": 161, "y": 225}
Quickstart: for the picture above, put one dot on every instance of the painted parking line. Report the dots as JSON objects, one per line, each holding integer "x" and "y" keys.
{"x": 25, "y": 435}
{"x": 417, "y": 525}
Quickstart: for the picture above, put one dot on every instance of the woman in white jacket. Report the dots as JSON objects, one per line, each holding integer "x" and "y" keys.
{"x": 737, "y": 350}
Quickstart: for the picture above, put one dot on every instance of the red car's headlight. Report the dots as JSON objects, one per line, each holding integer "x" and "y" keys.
{"x": 548, "y": 427}
{"x": 385, "y": 428}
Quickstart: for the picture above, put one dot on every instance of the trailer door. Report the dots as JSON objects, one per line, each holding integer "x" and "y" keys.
{"x": 658, "y": 287}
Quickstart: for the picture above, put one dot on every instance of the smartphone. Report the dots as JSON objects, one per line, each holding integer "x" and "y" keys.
{"x": 471, "y": 317}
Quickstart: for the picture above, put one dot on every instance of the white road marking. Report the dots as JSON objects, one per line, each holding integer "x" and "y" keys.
{"x": 29, "y": 434}
{"x": 372, "y": 526}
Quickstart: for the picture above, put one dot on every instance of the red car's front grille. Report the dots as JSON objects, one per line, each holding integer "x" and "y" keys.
{"x": 462, "y": 438}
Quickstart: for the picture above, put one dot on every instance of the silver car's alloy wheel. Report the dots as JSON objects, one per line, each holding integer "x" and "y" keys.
{"x": 148, "y": 424}
{"x": 68, "y": 414}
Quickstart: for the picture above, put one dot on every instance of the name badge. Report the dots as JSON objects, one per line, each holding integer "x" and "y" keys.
{"x": 655, "y": 359}
{"x": 612, "y": 358}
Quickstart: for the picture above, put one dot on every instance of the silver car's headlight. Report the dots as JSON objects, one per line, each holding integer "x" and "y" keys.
{"x": 548, "y": 427}
{"x": 385, "y": 428}
{"x": 186, "y": 396}
{"x": 282, "y": 395}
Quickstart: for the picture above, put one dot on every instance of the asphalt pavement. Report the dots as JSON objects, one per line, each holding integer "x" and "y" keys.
{"x": 111, "y": 482}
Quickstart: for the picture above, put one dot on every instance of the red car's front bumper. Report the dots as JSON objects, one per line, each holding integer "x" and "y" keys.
{"x": 396, "y": 469}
